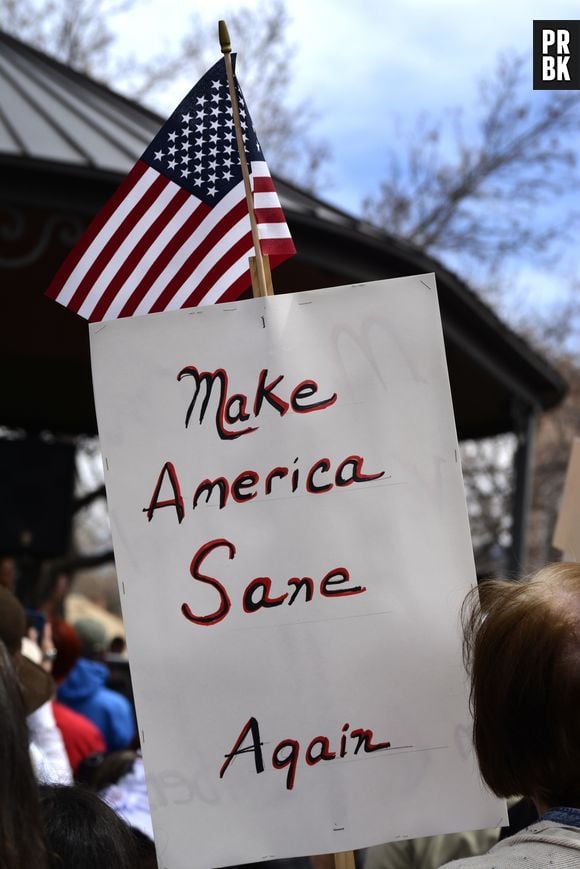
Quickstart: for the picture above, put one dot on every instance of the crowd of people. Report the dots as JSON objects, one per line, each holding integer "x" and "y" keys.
{"x": 72, "y": 783}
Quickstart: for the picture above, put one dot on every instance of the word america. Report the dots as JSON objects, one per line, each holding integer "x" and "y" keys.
{"x": 319, "y": 478}
{"x": 287, "y": 752}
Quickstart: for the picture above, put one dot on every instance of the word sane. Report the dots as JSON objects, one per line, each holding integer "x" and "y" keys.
{"x": 232, "y": 409}
{"x": 320, "y": 478}
{"x": 258, "y": 593}
{"x": 287, "y": 752}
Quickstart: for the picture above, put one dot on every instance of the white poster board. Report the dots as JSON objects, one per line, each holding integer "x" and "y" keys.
{"x": 341, "y": 704}
{"x": 567, "y": 530}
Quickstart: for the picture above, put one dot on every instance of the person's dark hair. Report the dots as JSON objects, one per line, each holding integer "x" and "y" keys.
{"x": 21, "y": 839}
{"x": 145, "y": 850}
{"x": 83, "y": 831}
{"x": 522, "y": 650}
{"x": 114, "y": 766}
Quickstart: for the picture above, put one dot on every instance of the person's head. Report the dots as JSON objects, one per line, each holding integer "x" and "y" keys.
{"x": 522, "y": 649}
{"x": 93, "y": 637}
{"x": 51, "y": 589}
{"x": 8, "y": 572}
{"x": 114, "y": 766}
{"x": 68, "y": 648}
{"x": 21, "y": 841}
{"x": 81, "y": 830}
{"x": 37, "y": 686}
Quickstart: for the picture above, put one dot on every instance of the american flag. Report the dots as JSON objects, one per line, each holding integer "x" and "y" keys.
{"x": 177, "y": 231}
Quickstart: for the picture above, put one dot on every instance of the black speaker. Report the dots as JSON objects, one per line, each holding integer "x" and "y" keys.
{"x": 36, "y": 493}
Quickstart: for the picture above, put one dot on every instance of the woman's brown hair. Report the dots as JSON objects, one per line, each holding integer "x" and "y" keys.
{"x": 522, "y": 650}
{"x": 21, "y": 836}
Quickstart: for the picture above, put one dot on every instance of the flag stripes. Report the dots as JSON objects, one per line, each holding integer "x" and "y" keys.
{"x": 159, "y": 248}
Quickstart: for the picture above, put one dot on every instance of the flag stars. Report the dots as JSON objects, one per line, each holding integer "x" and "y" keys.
{"x": 201, "y": 149}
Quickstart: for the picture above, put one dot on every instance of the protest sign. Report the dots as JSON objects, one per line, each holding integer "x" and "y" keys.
{"x": 567, "y": 531}
{"x": 292, "y": 546}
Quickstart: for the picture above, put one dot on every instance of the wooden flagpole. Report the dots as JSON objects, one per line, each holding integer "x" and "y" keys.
{"x": 261, "y": 285}
{"x": 339, "y": 860}
{"x": 259, "y": 264}
{"x": 344, "y": 860}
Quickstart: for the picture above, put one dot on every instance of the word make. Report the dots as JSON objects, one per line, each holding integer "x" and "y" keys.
{"x": 237, "y": 407}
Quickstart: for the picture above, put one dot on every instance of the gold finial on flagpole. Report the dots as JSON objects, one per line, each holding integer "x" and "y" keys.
{"x": 261, "y": 286}
{"x": 224, "y": 36}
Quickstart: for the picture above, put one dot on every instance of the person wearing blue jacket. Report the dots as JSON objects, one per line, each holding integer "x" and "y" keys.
{"x": 85, "y": 690}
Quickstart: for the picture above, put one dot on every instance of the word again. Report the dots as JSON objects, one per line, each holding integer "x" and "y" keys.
{"x": 234, "y": 408}
{"x": 286, "y": 754}
{"x": 258, "y": 592}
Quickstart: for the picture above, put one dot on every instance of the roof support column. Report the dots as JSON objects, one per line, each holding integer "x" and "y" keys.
{"x": 525, "y": 422}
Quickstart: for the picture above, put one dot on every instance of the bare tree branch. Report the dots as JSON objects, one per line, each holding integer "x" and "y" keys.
{"x": 476, "y": 193}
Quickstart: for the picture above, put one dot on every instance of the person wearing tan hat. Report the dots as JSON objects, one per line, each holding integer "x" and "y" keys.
{"x": 46, "y": 745}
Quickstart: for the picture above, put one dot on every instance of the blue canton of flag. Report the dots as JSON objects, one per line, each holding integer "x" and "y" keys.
{"x": 197, "y": 146}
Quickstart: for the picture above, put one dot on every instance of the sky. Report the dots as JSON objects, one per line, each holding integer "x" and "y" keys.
{"x": 366, "y": 65}
{"x": 360, "y": 63}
